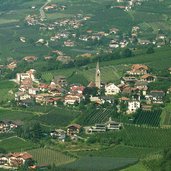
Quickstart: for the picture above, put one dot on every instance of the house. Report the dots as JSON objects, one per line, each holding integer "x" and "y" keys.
{"x": 71, "y": 99}
{"x": 169, "y": 70}
{"x": 7, "y": 126}
{"x": 61, "y": 80}
{"x": 96, "y": 128}
{"x": 30, "y": 58}
{"x": 128, "y": 79}
{"x": 12, "y": 65}
{"x": 19, "y": 96}
{"x": 148, "y": 78}
{"x": 73, "y": 129}
{"x": 19, "y": 159}
{"x": 4, "y": 160}
{"x": 58, "y": 134}
{"x": 111, "y": 89}
{"x": 156, "y": 96}
{"x": 142, "y": 86}
{"x": 96, "y": 100}
{"x": 138, "y": 69}
{"x": 43, "y": 87}
{"x": 133, "y": 105}
{"x": 33, "y": 91}
{"x": 77, "y": 89}
{"x": 22, "y": 76}
{"x": 112, "y": 125}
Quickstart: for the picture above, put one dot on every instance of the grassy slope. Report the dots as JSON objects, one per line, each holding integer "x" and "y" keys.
{"x": 113, "y": 70}
{"x": 137, "y": 167}
{"x": 13, "y": 144}
{"x": 7, "y": 89}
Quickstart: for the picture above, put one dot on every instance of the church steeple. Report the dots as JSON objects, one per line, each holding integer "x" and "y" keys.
{"x": 97, "y": 76}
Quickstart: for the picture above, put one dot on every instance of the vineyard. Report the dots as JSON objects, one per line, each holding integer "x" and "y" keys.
{"x": 150, "y": 118}
{"x": 146, "y": 137}
{"x": 47, "y": 156}
{"x": 98, "y": 164}
{"x": 121, "y": 151}
{"x": 97, "y": 116}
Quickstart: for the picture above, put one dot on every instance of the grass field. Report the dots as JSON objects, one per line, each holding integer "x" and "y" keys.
{"x": 50, "y": 157}
{"x": 136, "y": 167}
{"x": 58, "y": 117}
{"x": 7, "y": 89}
{"x": 9, "y": 114}
{"x": 15, "y": 144}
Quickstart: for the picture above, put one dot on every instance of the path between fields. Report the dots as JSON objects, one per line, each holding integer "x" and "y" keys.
{"x": 42, "y": 13}
{"x": 15, "y": 136}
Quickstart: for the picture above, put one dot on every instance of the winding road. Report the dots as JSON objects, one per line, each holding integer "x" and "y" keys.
{"x": 42, "y": 13}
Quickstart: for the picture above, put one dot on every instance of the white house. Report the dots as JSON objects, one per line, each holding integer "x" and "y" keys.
{"x": 111, "y": 89}
{"x": 21, "y": 96}
{"x": 133, "y": 106}
{"x": 70, "y": 99}
{"x": 33, "y": 91}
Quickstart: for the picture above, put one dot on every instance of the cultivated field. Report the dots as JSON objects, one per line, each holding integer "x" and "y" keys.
{"x": 45, "y": 156}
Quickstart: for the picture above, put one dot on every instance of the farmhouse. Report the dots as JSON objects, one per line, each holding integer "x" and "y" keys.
{"x": 58, "y": 134}
{"x": 73, "y": 129}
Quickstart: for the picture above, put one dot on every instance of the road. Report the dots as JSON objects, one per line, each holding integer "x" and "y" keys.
{"x": 42, "y": 13}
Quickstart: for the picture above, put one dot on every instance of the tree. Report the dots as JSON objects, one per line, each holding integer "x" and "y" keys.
{"x": 126, "y": 53}
{"x": 150, "y": 50}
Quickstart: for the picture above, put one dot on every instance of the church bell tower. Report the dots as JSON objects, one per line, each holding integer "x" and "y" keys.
{"x": 97, "y": 76}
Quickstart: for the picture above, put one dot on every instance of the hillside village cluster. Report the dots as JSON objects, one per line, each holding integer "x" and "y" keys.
{"x": 132, "y": 92}
{"x": 64, "y": 31}
{"x": 133, "y": 84}
{"x": 132, "y": 89}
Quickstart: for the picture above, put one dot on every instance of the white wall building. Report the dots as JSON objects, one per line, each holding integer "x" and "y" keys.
{"x": 133, "y": 106}
{"x": 111, "y": 89}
